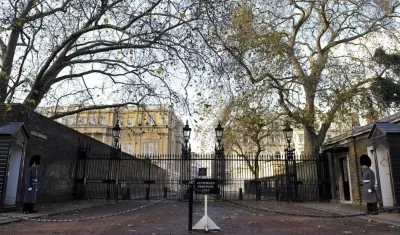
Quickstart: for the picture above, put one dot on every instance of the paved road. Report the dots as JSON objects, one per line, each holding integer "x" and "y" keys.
{"x": 170, "y": 217}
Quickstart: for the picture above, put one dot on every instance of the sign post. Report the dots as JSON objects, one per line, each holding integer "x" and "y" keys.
{"x": 206, "y": 186}
{"x": 190, "y": 206}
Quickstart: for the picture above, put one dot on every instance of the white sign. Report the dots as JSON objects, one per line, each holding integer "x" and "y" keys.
{"x": 37, "y": 134}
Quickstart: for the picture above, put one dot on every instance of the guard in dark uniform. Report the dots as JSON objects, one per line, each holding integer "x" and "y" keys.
{"x": 31, "y": 185}
{"x": 368, "y": 179}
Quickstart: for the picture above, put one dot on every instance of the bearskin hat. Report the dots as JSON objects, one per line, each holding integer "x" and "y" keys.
{"x": 35, "y": 159}
{"x": 365, "y": 160}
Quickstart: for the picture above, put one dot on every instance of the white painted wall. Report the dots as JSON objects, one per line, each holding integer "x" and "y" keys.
{"x": 384, "y": 176}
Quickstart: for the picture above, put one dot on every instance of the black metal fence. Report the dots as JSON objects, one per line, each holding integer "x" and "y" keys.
{"x": 117, "y": 175}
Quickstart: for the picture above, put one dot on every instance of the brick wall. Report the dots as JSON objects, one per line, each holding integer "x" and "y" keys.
{"x": 58, "y": 151}
{"x": 356, "y": 149}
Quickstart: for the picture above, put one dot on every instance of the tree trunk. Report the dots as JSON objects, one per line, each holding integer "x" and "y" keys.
{"x": 9, "y": 53}
{"x": 311, "y": 142}
{"x": 311, "y": 145}
{"x": 256, "y": 170}
{"x": 7, "y": 63}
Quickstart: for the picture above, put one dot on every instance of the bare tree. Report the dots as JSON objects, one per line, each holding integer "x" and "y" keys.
{"x": 314, "y": 53}
{"x": 249, "y": 123}
{"x": 74, "y": 50}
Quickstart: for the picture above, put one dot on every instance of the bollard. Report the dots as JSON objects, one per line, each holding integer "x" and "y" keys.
{"x": 190, "y": 206}
{"x": 148, "y": 194}
{"x": 240, "y": 194}
{"x": 165, "y": 192}
{"x": 128, "y": 193}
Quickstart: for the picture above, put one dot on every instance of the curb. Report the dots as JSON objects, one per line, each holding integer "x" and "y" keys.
{"x": 370, "y": 218}
{"x": 51, "y": 213}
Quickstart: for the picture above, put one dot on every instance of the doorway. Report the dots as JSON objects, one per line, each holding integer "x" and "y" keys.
{"x": 345, "y": 177}
{"x": 13, "y": 175}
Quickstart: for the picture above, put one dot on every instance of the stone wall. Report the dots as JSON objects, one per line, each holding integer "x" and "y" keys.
{"x": 356, "y": 148}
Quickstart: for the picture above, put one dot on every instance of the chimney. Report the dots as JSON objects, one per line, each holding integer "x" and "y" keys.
{"x": 369, "y": 120}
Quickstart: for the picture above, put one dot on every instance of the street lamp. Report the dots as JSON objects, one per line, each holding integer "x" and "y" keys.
{"x": 116, "y": 133}
{"x": 219, "y": 147}
{"x": 186, "y": 146}
{"x": 288, "y": 133}
{"x": 291, "y": 169}
{"x": 185, "y": 160}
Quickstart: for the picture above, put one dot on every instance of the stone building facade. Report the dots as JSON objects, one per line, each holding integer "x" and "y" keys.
{"x": 146, "y": 131}
{"x": 275, "y": 143}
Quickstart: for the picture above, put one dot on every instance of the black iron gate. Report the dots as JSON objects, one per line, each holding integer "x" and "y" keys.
{"x": 117, "y": 175}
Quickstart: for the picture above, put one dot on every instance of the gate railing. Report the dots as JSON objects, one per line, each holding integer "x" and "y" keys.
{"x": 123, "y": 176}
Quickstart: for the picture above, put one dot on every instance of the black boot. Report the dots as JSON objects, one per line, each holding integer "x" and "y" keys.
{"x": 32, "y": 210}
{"x": 374, "y": 208}
{"x": 369, "y": 208}
{"x": 25, "y": 208}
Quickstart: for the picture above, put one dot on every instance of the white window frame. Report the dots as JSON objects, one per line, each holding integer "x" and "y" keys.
{"x": 301, "y": 138}
{"x": 80, "y": 121}
{"x": 151, "y": 120}
{"x": 130, "y": 121}
{"x": 129, "y": 148}
{"x": 91, "y": 120}
{"x": 102, "y": 120}
{"x": 150, "y": 148}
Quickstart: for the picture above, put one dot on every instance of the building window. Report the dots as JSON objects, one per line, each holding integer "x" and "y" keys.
{"x": 80, "y": 121}
{"x": 121, "y": 120}
{"x": 301, "y": 138}
{"x": 150, "y": 148}
{"x": 165, "y": 119}
{"x": 102, "y": 121}
{"x": 130, "y": 121}
{"x": 151, "y": 120}
{"x": 278, "y": 139}
{"x": 274, "y": 139}
{"x": 70, "y": 121}
{"x": 277, "y": 155}
{"x": 129, "y": 148}
{"x": 91, "y": 120}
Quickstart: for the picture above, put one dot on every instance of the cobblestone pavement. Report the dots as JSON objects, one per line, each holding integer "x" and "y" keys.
{"x": 171, "y": 217}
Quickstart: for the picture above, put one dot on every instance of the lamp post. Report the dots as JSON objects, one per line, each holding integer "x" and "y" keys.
{"x": 289, "y": 156}
{"x": 114, "y": 154}
{"x": 185, "y": 160}
{"x": 219, "y": 166}
{"x": 116, "y": 133}
{"x": 186, "y": 146}
{"x": 288, "y": 133}
{"x": 219, "y": 147}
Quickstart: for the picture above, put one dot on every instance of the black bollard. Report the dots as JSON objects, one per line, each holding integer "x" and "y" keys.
{"x": 190, "y": 206}
{"x": 165, "y": 192}
{"x": 240, "y": 194}
{"x": 258, "y": 194}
